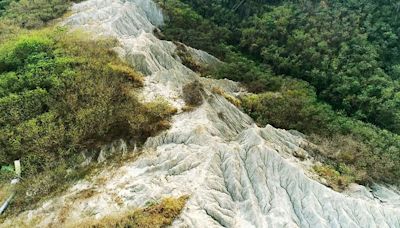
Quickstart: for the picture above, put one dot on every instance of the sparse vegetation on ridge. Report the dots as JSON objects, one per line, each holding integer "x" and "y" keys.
{"x": 155, "y": 215}
{"x": 235, "y": 101}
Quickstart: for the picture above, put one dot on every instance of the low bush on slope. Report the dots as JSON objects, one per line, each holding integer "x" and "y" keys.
{"x": 156, "y": 215}
{"x": 326, "y": 69}
{"x": 192, "y": 93}
{"x": 60, "y": 94}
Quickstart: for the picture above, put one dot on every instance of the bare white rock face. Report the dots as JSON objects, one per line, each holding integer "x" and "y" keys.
{"x": 236, "y": 174}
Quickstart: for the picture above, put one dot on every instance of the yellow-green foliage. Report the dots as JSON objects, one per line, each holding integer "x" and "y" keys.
{"x": 155, "y": 215}
{"x": 232, "y": 99}
{"x": 335, "y": 179}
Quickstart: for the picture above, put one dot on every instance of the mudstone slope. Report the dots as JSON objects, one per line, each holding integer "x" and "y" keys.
{"x": 235, "y": 173}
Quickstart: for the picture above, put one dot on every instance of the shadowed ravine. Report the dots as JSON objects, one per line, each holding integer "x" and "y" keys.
{"x": 236, "y": 174}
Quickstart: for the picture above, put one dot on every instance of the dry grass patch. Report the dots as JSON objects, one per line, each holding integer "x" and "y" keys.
{"x": 341, "y": 158}
{"x": 345, "y": 154}
{"x": 192, "y": 93}
{"x": 231, "y": 99}
{"x": 188, "y": 108}
{"x": 128, "y": 73}
{"x": 5, "y": 192}
{"x": 117, "y": 199}
{"x": 155, "y": 215}
{"x": 84, "y": 194}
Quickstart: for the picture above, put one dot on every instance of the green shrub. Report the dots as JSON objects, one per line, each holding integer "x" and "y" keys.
{"x": 335, "y": 179}
{"x": 3, "y": 5}
{"x": 155, "y": 117}
{"x": 24, "y": 106}
{"x": 305, "y": 115}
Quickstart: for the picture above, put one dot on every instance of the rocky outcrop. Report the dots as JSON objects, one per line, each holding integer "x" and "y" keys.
{"x": 236, "y": 174}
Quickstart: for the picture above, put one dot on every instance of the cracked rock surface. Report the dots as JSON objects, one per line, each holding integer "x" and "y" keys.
{"x": 236, "y": 174}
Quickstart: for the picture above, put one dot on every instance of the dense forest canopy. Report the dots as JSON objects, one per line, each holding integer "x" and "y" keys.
{"x": 349, "y": 51}
{"x": 329, "y": 69}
